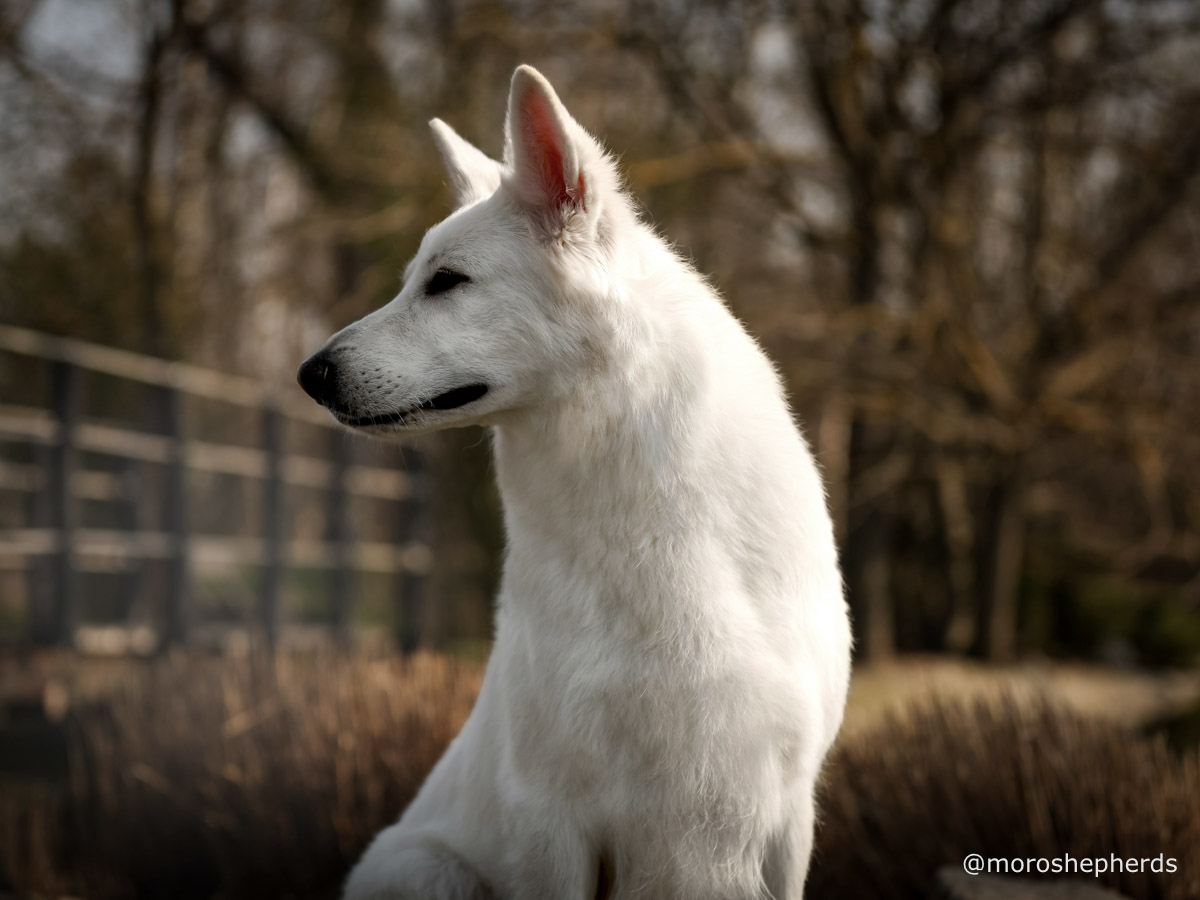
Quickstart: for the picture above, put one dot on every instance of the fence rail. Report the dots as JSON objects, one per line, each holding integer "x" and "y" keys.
{"x": 61, "y": 549}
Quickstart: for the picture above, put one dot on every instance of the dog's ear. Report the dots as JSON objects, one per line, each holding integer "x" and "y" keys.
{"x": 545, "y": 146}
{"x": 473, "y": 174}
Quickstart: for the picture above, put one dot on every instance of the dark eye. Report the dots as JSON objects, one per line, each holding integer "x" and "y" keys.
{"x": 443, "y": 280}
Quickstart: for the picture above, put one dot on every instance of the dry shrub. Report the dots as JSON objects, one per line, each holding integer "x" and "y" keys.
{"x": 30, "y": 824}
{"x": 1003, "y": 779}
{"x": 266, "y": 778}
{"x": 263, "y": 777}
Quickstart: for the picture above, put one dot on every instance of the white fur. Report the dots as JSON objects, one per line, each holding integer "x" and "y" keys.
{"x": 672, "y": 646}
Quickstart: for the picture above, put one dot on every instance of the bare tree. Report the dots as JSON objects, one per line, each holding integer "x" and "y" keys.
{"x": 965, "y": 228}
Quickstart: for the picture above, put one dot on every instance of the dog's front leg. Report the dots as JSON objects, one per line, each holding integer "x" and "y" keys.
{"x": 548, "y": 857}
{"x": 785, "y": 867}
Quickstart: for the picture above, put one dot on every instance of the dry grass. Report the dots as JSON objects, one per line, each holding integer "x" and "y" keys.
{"x": 263, "y": 778}
{"x": 1124, "y": 696}
{"x": 1004, "y": 778}
{"x": 243, "y": 778}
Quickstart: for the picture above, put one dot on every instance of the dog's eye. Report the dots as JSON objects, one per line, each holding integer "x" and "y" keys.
{"x": 443, "y": 280}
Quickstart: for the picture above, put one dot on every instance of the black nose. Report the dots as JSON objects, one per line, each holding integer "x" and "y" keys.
{"x": 318, "y": 377}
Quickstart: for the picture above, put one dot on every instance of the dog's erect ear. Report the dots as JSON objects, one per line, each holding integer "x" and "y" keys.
{"x": 473, "y": 174}
{"x": 545, "y": 146}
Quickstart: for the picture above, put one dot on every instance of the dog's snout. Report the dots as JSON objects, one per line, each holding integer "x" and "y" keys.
{"x": 318, "y": 377}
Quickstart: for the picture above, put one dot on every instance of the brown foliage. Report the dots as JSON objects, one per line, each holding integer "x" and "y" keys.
{"x": 251, "y": 778}
{"x": 1003, "y": 780}
{"x": 267, "y": 778}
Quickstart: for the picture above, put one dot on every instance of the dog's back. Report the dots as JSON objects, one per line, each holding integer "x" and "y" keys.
{"x": 672, "y": 646}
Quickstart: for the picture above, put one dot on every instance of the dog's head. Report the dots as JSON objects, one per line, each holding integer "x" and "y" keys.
{"x": 500, "y": 307}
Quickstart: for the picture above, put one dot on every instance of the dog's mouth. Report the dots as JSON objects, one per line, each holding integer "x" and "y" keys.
{"x": 453, "y": 399}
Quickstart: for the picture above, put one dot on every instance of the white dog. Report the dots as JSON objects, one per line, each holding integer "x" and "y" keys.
{"x": 672, "y": 646}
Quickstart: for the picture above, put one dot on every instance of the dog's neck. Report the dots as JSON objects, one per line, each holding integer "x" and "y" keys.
{"x": 595, "y": 483}
{"x": 618, "y": 437}
{"x": 599, "y": 455}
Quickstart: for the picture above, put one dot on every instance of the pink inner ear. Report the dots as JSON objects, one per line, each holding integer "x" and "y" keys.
{"x": 542, "y": 139}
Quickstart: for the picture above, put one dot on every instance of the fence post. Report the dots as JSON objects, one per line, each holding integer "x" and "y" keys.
{"x": 341, "y": 584}
{"x": 64, "y": 459}
{"x": 175, "y": 520}
{"x": 131, "y": 518}
{"x": 42, "y": 568}
{"x": 274, "y": 424}
{"x": 414, "y": 532}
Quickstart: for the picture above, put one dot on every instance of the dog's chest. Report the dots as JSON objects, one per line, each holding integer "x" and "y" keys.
{"x": 629, "y": 729}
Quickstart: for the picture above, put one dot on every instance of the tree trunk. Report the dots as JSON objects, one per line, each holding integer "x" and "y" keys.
{"x": 1001, "y": 552}
{"x": 867, "y": 560}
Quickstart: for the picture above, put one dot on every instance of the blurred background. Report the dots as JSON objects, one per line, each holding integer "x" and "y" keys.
{"x": 966, "y": 230}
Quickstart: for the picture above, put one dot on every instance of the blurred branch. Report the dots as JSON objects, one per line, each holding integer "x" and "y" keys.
{"x": 727, "y": 128}
{"x": 311, "y": 160}
{"x": 11, "y": 50}
{"x": 150, "y": 91}
{"x": 990, "y": 62}
{"x": 1179, "y": 156}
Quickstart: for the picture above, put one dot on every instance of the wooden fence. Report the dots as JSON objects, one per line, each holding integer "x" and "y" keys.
{"x": 58, "y": 458}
